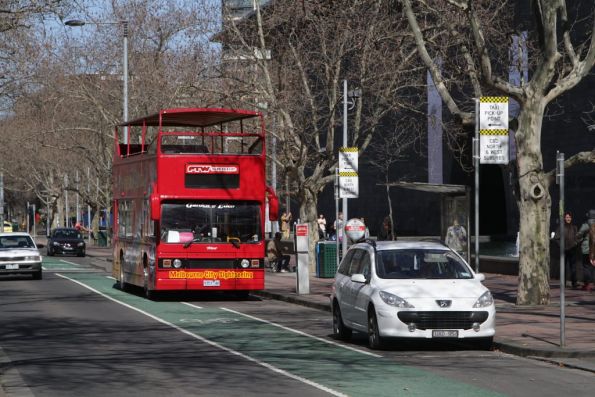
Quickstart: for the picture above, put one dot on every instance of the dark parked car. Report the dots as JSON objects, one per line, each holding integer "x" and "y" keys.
{"x": 66, "y": 240}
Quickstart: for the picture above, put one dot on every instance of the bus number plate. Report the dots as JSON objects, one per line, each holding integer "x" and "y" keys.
{"x": 211, "y": 283}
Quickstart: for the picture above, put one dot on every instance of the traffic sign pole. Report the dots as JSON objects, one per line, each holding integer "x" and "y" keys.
{"x": 476, "y": 161}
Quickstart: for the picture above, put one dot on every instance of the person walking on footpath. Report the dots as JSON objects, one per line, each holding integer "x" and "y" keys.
{"x": 456, "y": 237}
{"x": 286, "y": 224}
{"x": 338, "y": 226}
{"x": 583, "y": 236}
{"x": 592, "y": 248}
{"x": 321, "y": 227}
{"x": 570, "y": 248}
{"x": 386, "y": 230}
{"x": 279, "y": 262}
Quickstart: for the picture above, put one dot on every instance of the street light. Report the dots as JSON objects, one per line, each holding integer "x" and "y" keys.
{"x": 78, "y": 22}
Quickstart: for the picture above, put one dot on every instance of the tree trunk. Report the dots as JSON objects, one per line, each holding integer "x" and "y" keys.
{"x": 534, "y": 209}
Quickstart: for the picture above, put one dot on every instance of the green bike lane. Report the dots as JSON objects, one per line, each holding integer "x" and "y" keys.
{"x": 323, "y": 364}
{"x": 56, "y": 264}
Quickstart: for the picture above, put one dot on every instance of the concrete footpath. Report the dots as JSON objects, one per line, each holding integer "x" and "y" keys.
{"x": 530, "y": 331}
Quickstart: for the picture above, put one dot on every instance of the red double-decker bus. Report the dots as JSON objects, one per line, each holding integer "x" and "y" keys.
{"x": 190, "y": 199}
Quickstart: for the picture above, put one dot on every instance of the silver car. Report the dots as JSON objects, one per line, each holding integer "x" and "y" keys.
{"x": 410, "y": 289}
{"x": 19, "y": 255}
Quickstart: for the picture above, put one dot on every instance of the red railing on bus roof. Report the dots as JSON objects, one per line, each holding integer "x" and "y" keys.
{"x": 191, "y": 117}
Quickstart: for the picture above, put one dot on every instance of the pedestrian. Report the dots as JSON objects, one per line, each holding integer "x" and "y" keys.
{"x": 456, "y": 237}
{"x": 386, "y": 230}
{"x": 366, "y": 231}
{"x": 338, "y": 226}
{"x": 278, "y": 261}
{"x": 286, "y": 224}
{"x": 321, "y": 227}
{"x": 570, "y": 249}
{"x": 583, "y": 236}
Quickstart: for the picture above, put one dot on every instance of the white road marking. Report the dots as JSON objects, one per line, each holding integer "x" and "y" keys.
{"x": 192, "y": 305}
{"x": 69, "y": 262}
{"x": 210, "y": 342}
{"x": 330, "y": 342}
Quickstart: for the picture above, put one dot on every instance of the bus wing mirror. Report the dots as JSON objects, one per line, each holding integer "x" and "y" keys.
{"x": 273, "y": 204}
{"x": 155, "y": 207}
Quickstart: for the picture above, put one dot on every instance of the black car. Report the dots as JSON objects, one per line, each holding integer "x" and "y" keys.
{"x": 66, "y": 240}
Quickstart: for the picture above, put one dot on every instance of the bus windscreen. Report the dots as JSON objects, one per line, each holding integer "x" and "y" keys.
{"x": 210, "y": 222}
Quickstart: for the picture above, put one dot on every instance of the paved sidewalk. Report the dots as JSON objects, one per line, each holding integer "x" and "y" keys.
{"x": 532, "y": 331}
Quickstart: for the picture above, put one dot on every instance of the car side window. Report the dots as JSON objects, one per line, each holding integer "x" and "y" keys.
{"x": 356, "y": 262}
{"x": 345, "y": 263}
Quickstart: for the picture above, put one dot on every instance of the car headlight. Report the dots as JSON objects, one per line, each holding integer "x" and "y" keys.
{"x": 484, "y": 300}
{"x": 56, "y": 243}
{"x": 81, "y": 244}
{"x": 245, "y": 263}
{"x": 177, "y": 263}
{"x": 394, "y": 300}
{"x": 35, "y": 258}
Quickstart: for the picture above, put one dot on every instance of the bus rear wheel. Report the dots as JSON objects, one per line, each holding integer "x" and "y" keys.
{"x": 123, "y": 285}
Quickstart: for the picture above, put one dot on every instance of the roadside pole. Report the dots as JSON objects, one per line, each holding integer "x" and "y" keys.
{"x": 491, "y": 144}
{"x": 302, "y": 242}
{"x": 345, "y": 215}
{"x": 560, "y": 182}
{"x": 337, "y": 213}
{"x": 476, "y": 156}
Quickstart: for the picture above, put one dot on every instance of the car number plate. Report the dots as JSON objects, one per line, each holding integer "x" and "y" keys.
{"x": 12, "y": 266}
{"x": 211, "y": 283}
{"x": 445, "y": 333}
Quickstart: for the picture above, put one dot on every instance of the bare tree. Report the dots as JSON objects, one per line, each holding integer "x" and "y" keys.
{"x": 564, "y": 55}
{"x": 388, "y": 149}
{"x": 300, "y": 84}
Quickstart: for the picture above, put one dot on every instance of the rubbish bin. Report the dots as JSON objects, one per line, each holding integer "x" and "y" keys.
{"x": 326, "y": 259}
{"x": 102, "y": 238}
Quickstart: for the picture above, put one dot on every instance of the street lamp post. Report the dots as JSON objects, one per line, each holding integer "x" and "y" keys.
{"x": 78, "y": 22}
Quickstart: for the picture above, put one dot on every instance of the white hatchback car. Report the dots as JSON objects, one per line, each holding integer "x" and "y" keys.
{"x": 410, "y": 289}
{"x": 20, "y": 255}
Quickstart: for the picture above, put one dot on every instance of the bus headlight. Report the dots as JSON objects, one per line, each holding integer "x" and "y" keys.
{"x": 245, "y": 263}
{"x": 177, "y": 263}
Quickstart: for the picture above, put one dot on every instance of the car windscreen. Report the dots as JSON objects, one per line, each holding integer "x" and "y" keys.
{"x": 210, "y": 221}
{"x": 67, "y": 233}
{"x": 10, "y": 242}
{"x": 420, "y": 264}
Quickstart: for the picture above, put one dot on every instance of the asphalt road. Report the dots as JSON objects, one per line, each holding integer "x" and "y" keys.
{"x": 75, "y": 333}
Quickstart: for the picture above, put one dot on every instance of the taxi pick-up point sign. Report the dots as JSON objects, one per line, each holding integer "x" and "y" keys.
{"x": 355, "y": 229}
{"x": 493, "y": 130}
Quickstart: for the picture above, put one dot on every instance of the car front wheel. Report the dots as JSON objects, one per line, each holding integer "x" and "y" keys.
{"x": 374, "y": 340}
{"x": 339, "y": 329}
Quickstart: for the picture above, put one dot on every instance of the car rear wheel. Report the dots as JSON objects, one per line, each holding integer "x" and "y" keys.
{"x": 339, "y": 329}
{"x": 374, "y": 340}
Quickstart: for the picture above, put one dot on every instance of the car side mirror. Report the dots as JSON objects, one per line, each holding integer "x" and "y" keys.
{"x": 480, "y": 276}
{"x": 358, "y": 278}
